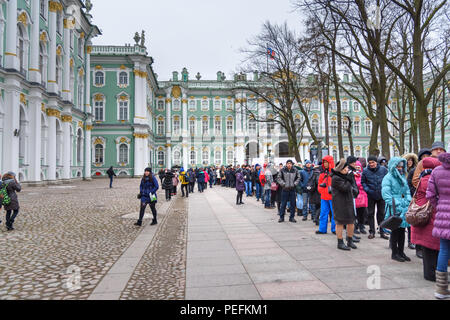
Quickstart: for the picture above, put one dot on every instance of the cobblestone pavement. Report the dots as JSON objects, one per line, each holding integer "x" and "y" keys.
{"x": 161, "y": 272}
{"x": 79, "y": 225}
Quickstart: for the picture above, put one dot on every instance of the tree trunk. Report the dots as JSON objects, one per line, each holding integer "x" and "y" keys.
{"x": 338, "y": 102}
{"x": 373, "y": 148}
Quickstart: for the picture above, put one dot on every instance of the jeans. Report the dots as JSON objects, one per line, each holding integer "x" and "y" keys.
{"x": 306, "y": 203}
{"x": 184, "y": 187}
{"x": 200, "y": 186}
{"x": 168, "y": 194}
{"x": 380, "y": 204}
{"x": 110, "y": 181}
{"x": 248, "y": 188}
{"x": 258, "y": 191}
{"x": 444, "y": 255}
{"x": 325, "y": 209}
{"x": 288, "y": 196}
{"x": 142, "y": 212}
{"x": 299, "y": 201}
{"x": 267, "y": 195}
{"x": 211, "y": 182}
{"x": 10, "y": 219}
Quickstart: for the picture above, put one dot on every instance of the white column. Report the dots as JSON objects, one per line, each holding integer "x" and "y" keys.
{"x": 238, "y": 117}
{"x": 66, "y": 93}
{"x": 185, "y": 156}
{"x": 52, "y": 85}
{"x": 87, "y": 152}
{"x": 140, "y": 147}
{"x": 185, "y": 118}
{"x": 11, "y": 123}
{"x": 169, "y": 157}
{"x": 169, "y": 117}
{"x": 67, "y": 120}
{"x": 51, "y": 174}
{"x": 34, "y": 72}
{"x": 87, "y": 84}
{"x": 34, "y": 111}
{"x": 11, "y": 59}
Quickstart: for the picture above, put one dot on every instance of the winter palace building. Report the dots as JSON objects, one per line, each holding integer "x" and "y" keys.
{"x": 70, "y": 109}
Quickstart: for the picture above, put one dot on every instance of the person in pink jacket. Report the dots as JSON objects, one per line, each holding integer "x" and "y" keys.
{"x": 206, "y": 179}
{"x": 361, "y": 202}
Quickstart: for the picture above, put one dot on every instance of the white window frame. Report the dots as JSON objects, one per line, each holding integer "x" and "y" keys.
{"x": 205, "y": 132}
{"x": 218, "y": 159}
{"x": 176, "y": 131}
{"x": 194, "y": 131}
{"x": 229, "y": 106}
{"x": 160, "y": 103}
{"x": 160, "y": 127}
{"x": 205, "y": 160}
{"x": 357, "y": 127}
{"x": 356, "y": 104}
{"x": 193, "y": 157}
{"x": 192, "y": 105}
{"x": 176, "y": 105}
{"x": 119, "y": 154}
{"x": 119, "y": 107}
{"x": 218, "y": 129}
{"x": 119, "y": 78}
{"x": 102, "y": 107}
{"x": 158, "y": 158}
{"x": 99, "y": 85}
{"x": 230, "y": 131}
{"x": 217, "y": 105}
{"x": 205, "y": 105}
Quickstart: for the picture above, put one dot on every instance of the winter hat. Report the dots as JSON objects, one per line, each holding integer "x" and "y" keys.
{"x": 423, "y": 152}
{"x": 11, "y": 173}
{"x": 290, "y": 161}
{"x": 351, "y": 159}
{"x": 341, "y": 165}
{"x": 438, "y": 145}
{"x": 307, "y": 162}
{"x": 148, "y": 170}
{"x": 372, "y": 158}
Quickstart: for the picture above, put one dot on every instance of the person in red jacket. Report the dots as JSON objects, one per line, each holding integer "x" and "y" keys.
{"x": 423, "y": 235}
{"x": 325, "y": 195}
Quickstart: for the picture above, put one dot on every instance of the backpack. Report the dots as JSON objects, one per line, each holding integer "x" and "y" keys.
{"x": 262, "y": 178}
{"x": 4, "y": 197}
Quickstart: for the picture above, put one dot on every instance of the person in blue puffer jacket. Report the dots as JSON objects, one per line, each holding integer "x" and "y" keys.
{"x": 395, "y": 190}
{"x": 147, "y": 195}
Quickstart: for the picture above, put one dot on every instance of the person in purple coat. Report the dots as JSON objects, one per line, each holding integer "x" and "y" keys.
{"x": 438, "y": 193}
{"x": 240, "y": 186}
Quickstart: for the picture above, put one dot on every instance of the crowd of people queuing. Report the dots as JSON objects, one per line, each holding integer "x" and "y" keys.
{"x": 348, "y": 194}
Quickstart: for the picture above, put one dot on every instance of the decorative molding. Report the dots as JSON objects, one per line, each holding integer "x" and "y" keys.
{"x": 176, "y": 92}
{"x": 23, "y": 18}
{"x": 89, "y": 49}
{"x": 168, "y": 100}
{"x": 141, "y": 74}
{"x": 184, "y": 101}
{"x": 23, "y": 99}
{"x": 80, "y": 124}
{"x": 58, "y": 51}
{"x": 98, "y": 67}
{"x": 141, "y": 135}
{"x": 82, "y": 35}
{"x": 66, "y": 118}
{"x": 89, "y": 127}
{"x": 99, "y": 97}
{"x": 81, "y": 72}
{"x": 43, "y": 37}
{"x": 54, "y": 113}
{"x": 71, "y": 62}
{"x": 54, "y": 6}
{"x": 42, "y": 107}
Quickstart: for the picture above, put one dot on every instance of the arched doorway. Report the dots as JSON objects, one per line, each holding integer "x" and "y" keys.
{"x": 252, "y": 151}
{"x": 282, "y": 150}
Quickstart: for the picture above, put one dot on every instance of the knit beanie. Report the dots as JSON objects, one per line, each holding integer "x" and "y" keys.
{"x": 372, "y": 158}
{"x": 351, "y": 160}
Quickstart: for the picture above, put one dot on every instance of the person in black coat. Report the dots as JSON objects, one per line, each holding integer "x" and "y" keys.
{"x": 12, "y": 209}
{"x": 314, "y": 195}
{"x": 343, "y": 204}
{"x": 167, "y": 183}
{"x": 111, "y": 175}
{"x": 191, "y": 178}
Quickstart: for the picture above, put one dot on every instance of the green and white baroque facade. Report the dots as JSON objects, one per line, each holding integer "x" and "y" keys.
{"x": 70, "y": 110}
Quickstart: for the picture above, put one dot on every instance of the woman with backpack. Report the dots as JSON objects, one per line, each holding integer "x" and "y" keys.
{"x": 438, "y": 193}
{"x": 147, "y": 195}
{"x": 168, "y": 184}
{"x": 9, "y": 198}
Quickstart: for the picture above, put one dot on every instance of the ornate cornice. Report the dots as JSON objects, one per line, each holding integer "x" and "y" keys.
{"x": 141, "y": 135}
{"x": 23, "y": 99}
{"x": 54, "y": 113}
{"x": 89, "y": 127}
{"x": 23, "y": 18}
{"x": 141, "y": 74}
{"x": 66, "y": 118}
{"x": 89, "y": 49}
{"x": 168, "y": 100}
{"x": 54, "y": 6}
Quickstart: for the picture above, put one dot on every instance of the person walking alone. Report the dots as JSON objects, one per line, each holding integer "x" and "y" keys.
{"x": 147, "y": 194}
{"x": 396, "y": 194}
{"x": 438, "y": 193}
{"x": 240, "y": 186}
{"x": 9, "y": 199}
{"x": 168, "y": 184}
{"x": 111, "y": 174}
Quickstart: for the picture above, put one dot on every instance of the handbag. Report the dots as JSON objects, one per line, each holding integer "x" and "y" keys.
{"x": 274, "y": 186}
{"x": 419, "y": 216}
{"x": 393, "y": 222}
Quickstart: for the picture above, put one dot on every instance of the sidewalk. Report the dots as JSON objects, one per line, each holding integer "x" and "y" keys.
{"x": 242, "y": 252}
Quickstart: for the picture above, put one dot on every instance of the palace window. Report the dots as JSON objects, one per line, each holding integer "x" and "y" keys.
{"x": 345, "y": 106}
{"x": 218, "y": 157}
{"x": 192, "y": 127}
{"x": 252, "y": 105}
{"x": 358, "y": 153}
{"x": 160, "y": 127}
{"x": 356, "y": 107}
{"x": 218, "y": 127}
{"x": 333, "y": 106}
{"x": 99, "y": 111}
{"x": 368, "y": 124}
{"x": 205, "y": 157}
{"x": 205, "y": 105}
{"x": 99, "y": 153}
{"x": 177, "y": 157}
{"x": 205, "y": 126}
{"x": 252, "y": 126}
{"x": 230, "y": 126}
{"x": 79, "y": 147}
{"x": 192, "y": 158}
{"x": 123, "y": 78}
{"x": 344, "y": 124}
{"x": 230, "y": 157}
{"x": 123, "y": 110}
{"x": 80, "y": 92}
{"x": 315, "y": 105}
{"x": 176, "y": 127}
{"x": 357, "y": 127}
{"x": 99, "y": 78}
{"x": 59, "y": 74}
{"x": 217, "y": 105}
{"x": 192, "y": 105}
{"x": 315, "y": 126}
{"x": 270, "y": 127}
{"x": 161, "y": 158}
{"x": 59, "y": 22}
{"x": 43, "y": 62}
{"x": 346, "y": 154}
{"x": 176, "y": 105}
{"x": 21, "y": 48}
{"x": 160, "y": 105}
{"x": 335, "y": 154}
{"x": 333, "y": 127}
{"x": 229, "y": 106}
{"x": 123, "y": 153}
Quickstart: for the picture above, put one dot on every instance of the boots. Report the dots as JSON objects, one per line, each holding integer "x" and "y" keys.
{"x": 342, "y": 246}
{"x": 350, "y": 243}
{"x": 154, "y": 222}
{"x": 442, "y": 285}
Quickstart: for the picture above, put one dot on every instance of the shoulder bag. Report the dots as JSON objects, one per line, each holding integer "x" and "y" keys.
{"x": 394, "y": 221}
{"x": 419, "y": 216}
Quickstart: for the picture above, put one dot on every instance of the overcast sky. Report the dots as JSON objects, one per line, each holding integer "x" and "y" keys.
{"x": 202, "y": 35}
